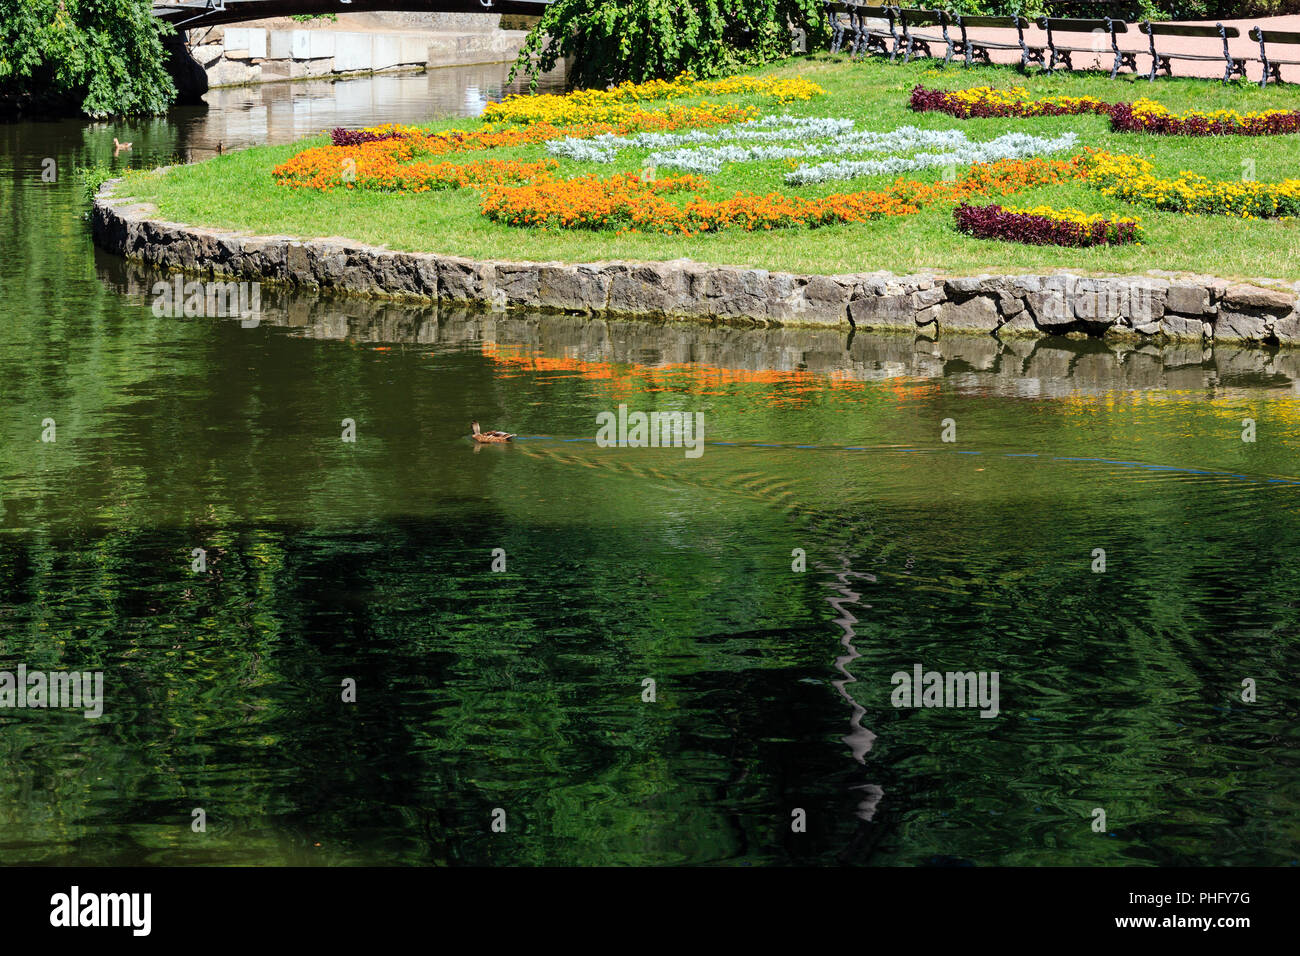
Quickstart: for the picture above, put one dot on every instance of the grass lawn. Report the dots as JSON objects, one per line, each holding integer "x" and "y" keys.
{"x": 237, "y": 191}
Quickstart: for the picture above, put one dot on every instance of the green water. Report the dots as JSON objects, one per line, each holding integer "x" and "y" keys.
{"x": 523, "y": 689}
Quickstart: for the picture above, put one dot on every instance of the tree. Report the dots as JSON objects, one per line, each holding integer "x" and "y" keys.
{"x": 106, "y": 56}
{"x": 610, "y": 41}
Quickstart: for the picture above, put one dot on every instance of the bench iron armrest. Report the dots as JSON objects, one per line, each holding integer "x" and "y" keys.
{"x": 1263, "y": 58}
{"x": 1026, "y": 57}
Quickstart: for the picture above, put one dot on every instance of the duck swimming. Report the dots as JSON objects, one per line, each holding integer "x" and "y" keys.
{"x": 484, "y": 437}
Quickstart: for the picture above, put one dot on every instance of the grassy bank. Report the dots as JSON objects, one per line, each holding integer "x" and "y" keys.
{"x": 237, "y": 190}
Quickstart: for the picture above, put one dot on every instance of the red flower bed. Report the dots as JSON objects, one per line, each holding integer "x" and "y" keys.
{"x": 355, "y": 137}
{"x": 963, "y": 105}
{"x": 1142, "y": 116}
{"x": 994, "y": 222}
{"x": 1124, "y": 119}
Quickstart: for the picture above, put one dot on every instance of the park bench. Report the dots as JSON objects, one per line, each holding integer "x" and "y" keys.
{"x": 867, "y": 38}
{"x": 909, "y": 18}
{"x": 1098, "y": 29}
{"x": 1272, "y": 65}
{"x": 1233, "y": 65}
{"x": 979, "y": 49}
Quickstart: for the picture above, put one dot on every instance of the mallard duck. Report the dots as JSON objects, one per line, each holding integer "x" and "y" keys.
{"x": 482, "y": 436}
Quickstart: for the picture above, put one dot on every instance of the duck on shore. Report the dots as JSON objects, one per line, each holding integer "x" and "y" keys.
{"x": 486, "y": 437}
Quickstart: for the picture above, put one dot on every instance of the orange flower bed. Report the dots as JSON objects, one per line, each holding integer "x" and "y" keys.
{"x": 626, "y": 203}
{"x": 389, "y": 160}
{"x": 384, "y": 171}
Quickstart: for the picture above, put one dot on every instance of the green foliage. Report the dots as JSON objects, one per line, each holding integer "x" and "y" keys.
{"x": 1236, "y": 9}
{"x": 306, "y": 17}
{"x": 92, "y": 177}
{"x": 610, "y": 41}
{"x": 106, "y": 56}
{"x": 998, "y": 8}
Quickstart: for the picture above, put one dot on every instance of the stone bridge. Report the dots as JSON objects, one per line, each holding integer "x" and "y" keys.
{"x": 194, "y": 14}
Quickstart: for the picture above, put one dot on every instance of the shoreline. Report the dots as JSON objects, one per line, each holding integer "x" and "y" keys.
{"x": 1155, "y": 306}
{"x": 1056, "y": 365}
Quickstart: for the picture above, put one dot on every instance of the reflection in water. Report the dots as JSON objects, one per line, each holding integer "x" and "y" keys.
{"x": 282, "y": 112}
{"x": 1043, "y": 368}
{"x": 521, "y": 689}
{"x": 859, "y": 739}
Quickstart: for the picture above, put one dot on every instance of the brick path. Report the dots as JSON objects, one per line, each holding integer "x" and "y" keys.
{"x": 1136, "y": 40}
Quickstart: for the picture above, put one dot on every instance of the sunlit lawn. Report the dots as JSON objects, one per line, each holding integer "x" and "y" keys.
{"x": 237, "y": 191}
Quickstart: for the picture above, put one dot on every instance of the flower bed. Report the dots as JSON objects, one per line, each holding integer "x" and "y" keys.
{"x": 374, "y": 157}
{"x": 355, "y": 137}
{"x": 1147, "y": 116}
{"x": 1044, "y": 226}
{"x": 791, "y": 137}
{"x": 1133, "y": 179}
{"x": 625, "y": 202}
{"x": 606, "y": 148}
{"x": 1007, "y": 146}
{"x": 591, "y": 106}
{"x": 383, "y": 172}
{"x": 985, "y": 101}
{"x": 1140, "y": 116}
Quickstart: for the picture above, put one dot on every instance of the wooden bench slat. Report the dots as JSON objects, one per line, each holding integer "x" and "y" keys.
{"x": 1179, "y": 30}
{"x": 925, "y": 18}
{"x": 1274, "y": 36}
{"x": 1087, "y": 26}
{"x": 1005, "y": 23}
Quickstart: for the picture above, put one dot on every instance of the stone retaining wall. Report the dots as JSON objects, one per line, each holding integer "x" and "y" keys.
{"x": 1017, "y": 366}
{"x": 1152, "y": 306}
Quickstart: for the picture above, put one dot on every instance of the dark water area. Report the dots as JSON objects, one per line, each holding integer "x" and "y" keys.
{"x": 523, "y": 689}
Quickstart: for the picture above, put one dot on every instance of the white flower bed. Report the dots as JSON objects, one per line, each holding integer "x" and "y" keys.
{"x": 606, "y": 147}
{"x": 796, "y": 137}
{"x": 1007, "y": 146}
{"x": 709, "y": 159}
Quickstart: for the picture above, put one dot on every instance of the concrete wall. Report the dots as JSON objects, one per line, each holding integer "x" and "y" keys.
{"x": 239, "y": 55}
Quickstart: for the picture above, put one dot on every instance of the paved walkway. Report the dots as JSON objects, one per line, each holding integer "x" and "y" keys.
{"x": 1136, "y": 40}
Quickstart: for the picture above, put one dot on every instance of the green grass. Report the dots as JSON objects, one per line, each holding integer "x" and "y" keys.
{"x": 236, "y": 191}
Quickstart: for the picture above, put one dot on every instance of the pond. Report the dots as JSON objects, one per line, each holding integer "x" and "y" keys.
{"x": 618, "y": 655}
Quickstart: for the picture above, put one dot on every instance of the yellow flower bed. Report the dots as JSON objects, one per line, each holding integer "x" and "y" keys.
{"x": 986, "y": 101}
{"x": 614, "y": 105}
{"x": 1142, "y": 116}
{"x": 1076, "y": 216}
{"x": 1151, "y": 111}
{"x": 1133, "y": 179}
{"x": 562, "y": 111}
